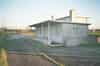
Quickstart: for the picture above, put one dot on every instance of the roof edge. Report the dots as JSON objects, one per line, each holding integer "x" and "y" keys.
{"x": 58, "y": 22}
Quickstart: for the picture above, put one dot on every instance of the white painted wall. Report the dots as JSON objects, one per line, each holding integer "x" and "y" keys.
{"x": 74, "y": 34}
{"x": 70, "y": 34}
{"x": 75, "y": 19}
{"x": 79, "y": 19}
{"x": 56, "y": 32}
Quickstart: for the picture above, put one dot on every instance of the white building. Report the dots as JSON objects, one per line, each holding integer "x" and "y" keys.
{"x": 68, "y": 31}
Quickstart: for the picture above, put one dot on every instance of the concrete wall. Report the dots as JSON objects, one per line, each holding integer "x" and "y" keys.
{"x": 79, "y": 19}
{"x": 74, "y": 34}
{"x": 42, "y": 33}
{"x": 55, "y": 32}
{"x": 70, "y": 34}
{"x": 51, "y": 33}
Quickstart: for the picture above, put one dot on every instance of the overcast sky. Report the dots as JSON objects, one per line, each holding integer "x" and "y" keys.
{"x": 18, "y": 13}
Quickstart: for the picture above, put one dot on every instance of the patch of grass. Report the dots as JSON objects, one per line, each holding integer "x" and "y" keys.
{"x": 94, "y": 33}
{"x": 22, "y": 44}
{"x": 3, "y": 39}
{"x": 91, "y": 45}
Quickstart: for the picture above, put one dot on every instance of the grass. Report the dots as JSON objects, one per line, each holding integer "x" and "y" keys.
{"x": 16, "y": 44}
{"x": 3, "y": 55}
{"x": 23, "y": 45}
{"x": 19, "y": 44}
{"x": 94, "y": 33}
{"x": 90, "y": 45}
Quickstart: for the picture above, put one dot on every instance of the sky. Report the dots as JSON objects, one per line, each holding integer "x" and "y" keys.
{"x": 21, "y": 13}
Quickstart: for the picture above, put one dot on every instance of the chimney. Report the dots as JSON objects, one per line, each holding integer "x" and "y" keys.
{"x": 52, "y": 18}
{"x": 72, "y": 13}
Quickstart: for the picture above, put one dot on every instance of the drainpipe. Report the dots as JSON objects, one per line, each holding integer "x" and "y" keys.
{"x": 51, "y": 59}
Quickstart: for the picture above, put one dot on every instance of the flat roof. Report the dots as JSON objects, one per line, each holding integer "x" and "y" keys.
{"x": 50, "y": 21}
{"x": 62, "y": 17}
